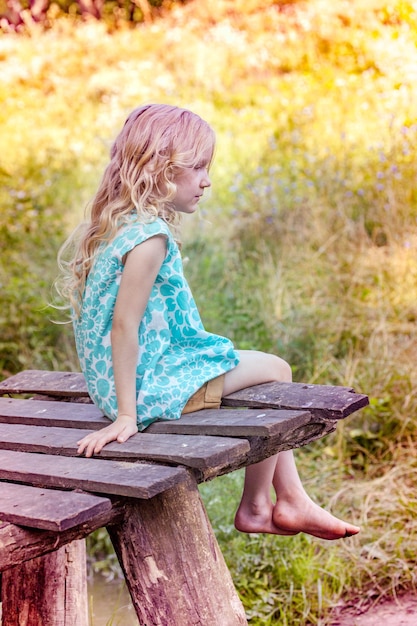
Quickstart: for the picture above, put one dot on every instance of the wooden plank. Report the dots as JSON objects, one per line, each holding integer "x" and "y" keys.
{"x": 54, "y": 413}
{"x": 48, "y": 509}
{"x": 192, "y": 451}
{"x": 230, "y": 423}
{"x": 327, "y": 401}
{"x": 69, "y": 384}
{"x": 233, "y": 423}
{"x": 136, "y": 480}
{"x": 19, "y": 543}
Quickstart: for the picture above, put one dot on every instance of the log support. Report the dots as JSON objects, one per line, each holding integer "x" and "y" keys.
{"x": 49, "y": 590}
{"x": 174, "y": 569}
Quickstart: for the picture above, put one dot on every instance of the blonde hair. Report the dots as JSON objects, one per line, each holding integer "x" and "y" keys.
{"x": 157, "y": 142}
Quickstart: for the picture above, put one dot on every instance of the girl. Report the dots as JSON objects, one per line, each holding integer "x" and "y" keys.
{"x": 142, "y": 347}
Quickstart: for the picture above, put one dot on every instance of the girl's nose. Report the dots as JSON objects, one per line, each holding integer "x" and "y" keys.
{"x": 205, "y": 181}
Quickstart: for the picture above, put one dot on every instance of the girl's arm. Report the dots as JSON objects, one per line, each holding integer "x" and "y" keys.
{"x": 141, "y": 269}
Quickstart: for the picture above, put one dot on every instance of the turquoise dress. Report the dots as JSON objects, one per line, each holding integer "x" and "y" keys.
{"x": 176, "y": 354}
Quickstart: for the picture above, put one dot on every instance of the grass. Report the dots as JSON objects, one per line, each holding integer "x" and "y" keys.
{"x": 306, "y": 245}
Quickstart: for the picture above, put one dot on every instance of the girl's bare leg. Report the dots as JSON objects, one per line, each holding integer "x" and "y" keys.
{"x": 293, "y": 510}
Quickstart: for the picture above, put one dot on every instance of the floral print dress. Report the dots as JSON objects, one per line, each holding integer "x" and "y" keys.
{"x": 176, "y": 354}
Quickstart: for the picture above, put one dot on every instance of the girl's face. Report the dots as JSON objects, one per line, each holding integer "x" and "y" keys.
{"x": 191, "y": 183}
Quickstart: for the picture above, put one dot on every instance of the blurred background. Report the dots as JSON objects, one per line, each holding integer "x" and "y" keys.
{"x": 305, "y": 247}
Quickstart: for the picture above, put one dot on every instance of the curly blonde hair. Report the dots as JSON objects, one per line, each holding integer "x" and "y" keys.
{"x": 157, "y": 142}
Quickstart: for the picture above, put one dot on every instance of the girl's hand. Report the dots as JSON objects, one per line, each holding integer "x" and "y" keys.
{"x": 124, "y": 427}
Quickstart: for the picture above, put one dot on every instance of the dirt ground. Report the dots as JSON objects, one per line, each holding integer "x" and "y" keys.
{"x": 399, "y": 612}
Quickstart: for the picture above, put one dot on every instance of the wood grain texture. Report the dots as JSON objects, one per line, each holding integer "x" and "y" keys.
{"x": 48, "y": 509}
{"x": 47, "y": 591}
{"x": 45, "y": 382}
{"x": 54, "y": 413}
{"x": 136, "y": 480}
{"x": 326, "y": 401}
{"x": 172, "y": 563}
{"x": 19, "y": 543}
{"x": 232, "y": 423}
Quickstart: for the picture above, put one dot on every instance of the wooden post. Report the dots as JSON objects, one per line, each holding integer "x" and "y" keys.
{"x": 49, "y": 590}
{"x": 173, "y": 566}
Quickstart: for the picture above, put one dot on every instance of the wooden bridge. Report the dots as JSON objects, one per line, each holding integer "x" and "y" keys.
{"x": 143, "y": 491}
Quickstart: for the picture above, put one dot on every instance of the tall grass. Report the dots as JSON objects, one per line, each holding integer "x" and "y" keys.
{"x": 306, "y": 245}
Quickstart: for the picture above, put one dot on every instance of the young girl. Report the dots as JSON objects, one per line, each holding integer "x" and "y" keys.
{"x": 142, "y": 347}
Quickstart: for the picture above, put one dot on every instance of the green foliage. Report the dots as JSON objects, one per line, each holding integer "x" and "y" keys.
{"x": 31, "y": 229}
{"x": 245, "y": 315}
{"x": 305, "y": 247}
{"x": 101, "y": 556}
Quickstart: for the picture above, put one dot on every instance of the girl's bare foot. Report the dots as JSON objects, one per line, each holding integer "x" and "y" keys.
{"x": 257, "y": 519}
{"x": 305, "y": 516}
{"x": 294, "y": 511}
{"x": 291, "y": 518}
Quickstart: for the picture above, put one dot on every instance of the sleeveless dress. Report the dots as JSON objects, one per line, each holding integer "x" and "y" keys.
{"x": 176, "y": 354}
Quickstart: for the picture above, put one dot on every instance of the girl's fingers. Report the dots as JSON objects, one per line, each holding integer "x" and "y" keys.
{"x": 95, "y": 442}
{"x": 90, "y": 444}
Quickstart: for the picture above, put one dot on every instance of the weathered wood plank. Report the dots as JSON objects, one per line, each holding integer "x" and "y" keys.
{"x": 230, "y": 423}
{"x": 63, "y": 384}
{"x": 192, "y": 451}
{"x": 326, "y": 401}
{"x": 54, "y": 413}
{"x": 136, "y": 480}
{"x": 233, "y": 423}
{"x": 19, "y": 544}
{"x": 48, "y": 509}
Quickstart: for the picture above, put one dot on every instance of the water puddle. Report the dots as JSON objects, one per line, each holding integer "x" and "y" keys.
{"x": 110, "y": 603}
